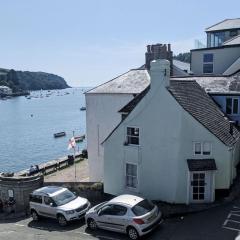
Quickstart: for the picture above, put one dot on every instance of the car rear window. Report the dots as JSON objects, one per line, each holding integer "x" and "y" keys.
{"x": 143, "y": 207}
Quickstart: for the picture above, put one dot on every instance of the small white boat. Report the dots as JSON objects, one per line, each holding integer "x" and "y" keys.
{"x": 79, "y": 138}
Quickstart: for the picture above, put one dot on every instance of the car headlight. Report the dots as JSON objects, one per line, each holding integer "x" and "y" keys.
{"x": 69, "y": 212}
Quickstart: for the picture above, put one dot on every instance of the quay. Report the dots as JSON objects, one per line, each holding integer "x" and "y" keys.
{"x": 56, "y": 165}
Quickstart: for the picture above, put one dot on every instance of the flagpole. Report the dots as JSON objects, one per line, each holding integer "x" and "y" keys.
{"x": 74, "y": 153}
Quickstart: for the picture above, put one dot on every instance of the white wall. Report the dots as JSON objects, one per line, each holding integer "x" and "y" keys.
{"x": 223, "y": 58}
{"x": 101, "y": 118}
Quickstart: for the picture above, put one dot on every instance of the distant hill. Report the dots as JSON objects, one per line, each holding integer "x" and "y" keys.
{"x": 184, "y": 57}
{"x": 25, "y": 80}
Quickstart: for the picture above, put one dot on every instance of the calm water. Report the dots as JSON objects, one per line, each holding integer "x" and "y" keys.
{"x": 27, "y": 127}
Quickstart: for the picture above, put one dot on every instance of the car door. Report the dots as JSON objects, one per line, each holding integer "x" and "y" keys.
{"x": 48, "y": 208}
{"x": 113, "y": 217}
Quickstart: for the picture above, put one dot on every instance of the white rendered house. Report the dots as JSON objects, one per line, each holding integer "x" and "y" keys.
{"x": 173, "y": 144}
{"x": 103, "y": 103}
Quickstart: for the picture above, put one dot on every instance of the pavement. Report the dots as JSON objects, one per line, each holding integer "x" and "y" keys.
{"x": 68, "y": 174}
{"x": 214, "y": 224}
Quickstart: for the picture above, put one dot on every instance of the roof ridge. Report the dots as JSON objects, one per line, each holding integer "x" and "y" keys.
{"x": 216, "y": 24}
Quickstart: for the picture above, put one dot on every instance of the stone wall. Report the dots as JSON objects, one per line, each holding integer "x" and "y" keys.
{"x": 93, "y": 191}
{"x": 18, "y": 188}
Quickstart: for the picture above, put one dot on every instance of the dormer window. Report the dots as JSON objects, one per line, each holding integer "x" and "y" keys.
{"x": 232, "y": 106}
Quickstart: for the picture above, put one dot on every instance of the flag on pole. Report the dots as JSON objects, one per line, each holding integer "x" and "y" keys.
{"x": 72, "y": 143}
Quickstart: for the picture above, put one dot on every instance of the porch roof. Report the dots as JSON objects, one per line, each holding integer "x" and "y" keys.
{"x": 201, "y": 164}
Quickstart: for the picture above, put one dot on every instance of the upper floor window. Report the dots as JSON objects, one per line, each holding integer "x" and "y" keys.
{"x": 208, "y": 63}
{"x": 232, "y": 105}
{"x": 216, "y": 39}
{"x": 133, "y": 135}
{"x": 233, "y": 33}
{"x": 202, "y": 148}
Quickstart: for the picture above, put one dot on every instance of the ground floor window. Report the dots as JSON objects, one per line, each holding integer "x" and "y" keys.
{"x": 131, "y": 175}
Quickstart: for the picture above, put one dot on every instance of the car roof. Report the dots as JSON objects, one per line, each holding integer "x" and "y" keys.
{"x": 49, "y": 190}
{"x": 127, "y": 199}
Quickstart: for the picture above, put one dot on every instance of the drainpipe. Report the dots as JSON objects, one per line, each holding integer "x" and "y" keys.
{"x": 232, "y": 163}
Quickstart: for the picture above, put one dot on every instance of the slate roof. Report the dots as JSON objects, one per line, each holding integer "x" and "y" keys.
{"x": 133, "y": 81}
{"x": 131, "y": 105}
{"x": 196, "y": 102}
{"x": 224, "y": 25}
{"x": 201, "y": 164}
{"x": 216, "y": 84}
{"x": 181, "y": 65}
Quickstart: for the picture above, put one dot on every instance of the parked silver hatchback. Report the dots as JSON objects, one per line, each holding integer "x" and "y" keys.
{"x": 127, "y": 214}
{"x": 58, "y": 203}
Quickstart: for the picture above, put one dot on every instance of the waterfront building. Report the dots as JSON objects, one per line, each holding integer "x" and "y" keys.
{"x": 104, "y": 102}
{"x": 215, "y": 69}
{"x": 173, "y": 143}
{"x": 222, "y": 55}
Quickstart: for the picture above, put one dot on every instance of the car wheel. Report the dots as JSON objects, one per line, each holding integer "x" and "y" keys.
{"x": 132, "y": 233}
{"x": 62, "y": 220}
{"x": 35, "y": 215}
{"x": 91, "y": 224}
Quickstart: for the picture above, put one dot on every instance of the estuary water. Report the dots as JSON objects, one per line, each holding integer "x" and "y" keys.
{"x": 27, "y": 127}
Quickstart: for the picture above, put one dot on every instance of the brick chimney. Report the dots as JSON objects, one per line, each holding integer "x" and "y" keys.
{"x": 158, "y": 51}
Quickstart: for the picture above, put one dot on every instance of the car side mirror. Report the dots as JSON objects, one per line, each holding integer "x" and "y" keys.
{"x": 52, "y": 204}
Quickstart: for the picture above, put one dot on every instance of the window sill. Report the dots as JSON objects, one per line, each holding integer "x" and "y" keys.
{"x": 131, "y": 145}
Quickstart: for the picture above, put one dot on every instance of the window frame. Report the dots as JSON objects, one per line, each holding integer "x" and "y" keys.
{"x": 131, "y": 187}
{"x": 232, "y": 105}
{"x": 202, "y": 147}
{"x": 208, "y": 63}
{"x": 127, "y": 136}
{"x": 34, "y": 197}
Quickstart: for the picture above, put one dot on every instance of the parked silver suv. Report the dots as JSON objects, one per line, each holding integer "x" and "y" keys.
{"x": 127, "y": 214}
{"x": 58, "y": 203}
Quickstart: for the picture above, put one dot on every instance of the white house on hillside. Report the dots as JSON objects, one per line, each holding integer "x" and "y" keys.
{"x": 173, "y": 143}
{"x": 104, "y": 101}
{"x": 5, "y": 90}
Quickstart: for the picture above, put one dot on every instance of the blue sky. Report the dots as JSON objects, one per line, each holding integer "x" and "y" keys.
{"x": 89, "y": 42}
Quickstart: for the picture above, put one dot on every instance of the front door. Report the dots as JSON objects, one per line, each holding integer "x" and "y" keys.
{"x": 201, "y": 186}
{"x": 46, "y": 208}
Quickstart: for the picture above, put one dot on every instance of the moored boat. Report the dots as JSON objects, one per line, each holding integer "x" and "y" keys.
{"x": 83, "y": 108}
{"x": 59, "y": 134}
{"x": 79, "y": 138}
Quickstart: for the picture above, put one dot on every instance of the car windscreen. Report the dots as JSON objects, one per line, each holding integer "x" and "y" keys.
{"x": 99, "y": 206}
{"x": 143, "y": 207}
{"x": 64, "y": 197}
